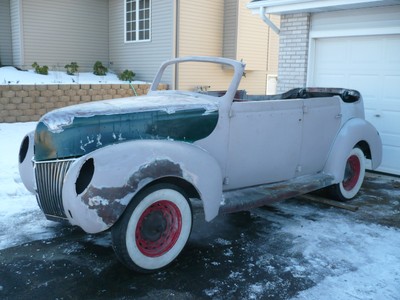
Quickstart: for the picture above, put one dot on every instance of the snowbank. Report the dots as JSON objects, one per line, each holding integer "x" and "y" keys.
{"x": 11, "y": 76}
{"x": 20, "y": 217}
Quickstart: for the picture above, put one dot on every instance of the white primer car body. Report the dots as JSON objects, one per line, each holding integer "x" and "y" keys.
{"x": 106, "y": 164}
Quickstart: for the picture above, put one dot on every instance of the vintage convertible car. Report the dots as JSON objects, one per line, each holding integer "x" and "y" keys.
{"x": 136, "y": 164}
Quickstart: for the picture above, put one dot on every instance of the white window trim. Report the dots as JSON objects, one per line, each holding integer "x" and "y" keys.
{"x": 137, "y": 25}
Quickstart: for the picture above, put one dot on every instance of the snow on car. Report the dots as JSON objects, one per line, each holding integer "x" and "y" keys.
{"x": 136, "y": 164}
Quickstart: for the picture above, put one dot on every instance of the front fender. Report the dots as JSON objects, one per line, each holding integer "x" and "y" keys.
{"x": 353, "y": 131}
{"x": 113, "y": 175}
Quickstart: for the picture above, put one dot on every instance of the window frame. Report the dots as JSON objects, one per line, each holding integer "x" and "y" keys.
{"x": 137, "y": 40}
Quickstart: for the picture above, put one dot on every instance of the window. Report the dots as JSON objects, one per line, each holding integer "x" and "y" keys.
{"x": 137, "y": 20}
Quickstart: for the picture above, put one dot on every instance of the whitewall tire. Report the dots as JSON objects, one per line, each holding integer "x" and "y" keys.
{"x": 154, "y": 228}
{"x": 353, "y": 177}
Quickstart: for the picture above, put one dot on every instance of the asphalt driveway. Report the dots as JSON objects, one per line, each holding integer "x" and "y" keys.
{"x": 291, "y": 249}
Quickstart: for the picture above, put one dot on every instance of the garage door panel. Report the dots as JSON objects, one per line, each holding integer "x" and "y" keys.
{"x": 366, "y": 83}
{"x": 336, "y": 52}
{"x": 390, "y": 117}
{"x": 392, "y": 52}
{"x": 370, "y": 64}
{"x": 391, "y": 87}
{"x": 365, "y": 52}
{"x": 331, "y": 80}
{"x": 388, "y": 165}
{"x": 391, "y": 140}
{"x": 380, "y": 120}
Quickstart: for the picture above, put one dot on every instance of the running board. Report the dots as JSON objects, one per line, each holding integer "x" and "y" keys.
{"x": 247, "y": 198}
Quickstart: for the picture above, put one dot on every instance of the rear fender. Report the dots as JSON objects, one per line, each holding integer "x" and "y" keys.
{"x": 353, "y": 131}
{"x": 99, "y": 186}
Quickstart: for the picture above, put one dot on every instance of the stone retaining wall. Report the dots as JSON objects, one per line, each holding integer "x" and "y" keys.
{"x": 24, "y": 103}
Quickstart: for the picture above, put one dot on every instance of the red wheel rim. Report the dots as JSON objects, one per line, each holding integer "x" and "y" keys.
{"x": 352, "y": 173}
{"x": 158, "y": 228}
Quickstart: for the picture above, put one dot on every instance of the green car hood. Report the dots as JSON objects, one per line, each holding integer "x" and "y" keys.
{"x": 79, "y": 129}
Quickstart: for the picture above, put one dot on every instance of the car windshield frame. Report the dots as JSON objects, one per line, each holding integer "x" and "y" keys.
{"x": 238, "y": 68}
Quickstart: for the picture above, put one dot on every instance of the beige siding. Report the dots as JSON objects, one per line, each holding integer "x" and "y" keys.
{"x": 252, "y": 39}
{"x": 201, "y": 33}
{"x": 58, "y": 32}
{"x": 16, "y": 32}
{"x": 201, "y": 28}
{"x": 210, "y": 29}
{"x": 5, "y": 33}
{"x": 254, "y": 82}
{"x": 144, "y": 58}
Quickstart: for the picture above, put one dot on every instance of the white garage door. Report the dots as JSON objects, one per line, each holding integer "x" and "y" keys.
{"x": 372, "y": 66}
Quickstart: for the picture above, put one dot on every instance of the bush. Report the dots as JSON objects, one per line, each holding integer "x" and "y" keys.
{"x": 72, "y": 68}
{"x": 126, "y": 75}
{"x": 99, "y": 69}
{"x": 44, "y": 70}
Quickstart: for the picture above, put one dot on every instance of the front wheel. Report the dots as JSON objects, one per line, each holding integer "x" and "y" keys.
{"x": 154, "y": 228}
{"x": 353, "y": 177}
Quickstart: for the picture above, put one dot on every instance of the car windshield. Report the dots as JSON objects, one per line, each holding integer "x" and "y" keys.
{"x": 200, "y": 77}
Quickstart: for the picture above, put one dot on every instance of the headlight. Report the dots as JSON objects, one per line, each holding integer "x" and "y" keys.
{"x": 23, "y": 150}
{"x": 85, "y": 176}
{"x": 25, "y": 165}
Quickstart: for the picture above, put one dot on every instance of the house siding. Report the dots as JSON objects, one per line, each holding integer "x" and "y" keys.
{"x": 5, "y": 33}
{"x": 218, "y": 35}
{"x": 230, "y": 29}
{"x": 294, "y": 41}
{"x": 75, "y": 31}
{"x": 16, "y": 32}
{"x": 253, "y": 37}
{"x": 200, "y": 35}
{"x": 144, "y": 58}
{"x": 201, "y": 28}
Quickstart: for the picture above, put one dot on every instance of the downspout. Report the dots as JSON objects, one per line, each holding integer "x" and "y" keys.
{"x": 268, "y": 21}
{"x": 176, "y": 44}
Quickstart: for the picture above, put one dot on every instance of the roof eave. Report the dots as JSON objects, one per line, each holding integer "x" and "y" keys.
{"x": 281, "y": 7}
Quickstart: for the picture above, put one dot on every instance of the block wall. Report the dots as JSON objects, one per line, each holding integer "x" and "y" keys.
{"x": 25, "y": 103}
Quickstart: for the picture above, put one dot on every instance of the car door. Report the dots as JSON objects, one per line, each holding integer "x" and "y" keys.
{"x": 321, "y": 123}
{"x": 264, "y": 142}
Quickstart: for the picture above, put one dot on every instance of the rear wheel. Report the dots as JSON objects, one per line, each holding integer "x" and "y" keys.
{"x": 154, "y": 228}
{"x": 353, "y": 177}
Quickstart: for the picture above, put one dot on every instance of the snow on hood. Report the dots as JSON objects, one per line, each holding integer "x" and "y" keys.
{"x": 57, "y": 119}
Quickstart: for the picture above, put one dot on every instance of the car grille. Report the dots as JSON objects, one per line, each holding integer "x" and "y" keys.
{"x": 49, "y": 184}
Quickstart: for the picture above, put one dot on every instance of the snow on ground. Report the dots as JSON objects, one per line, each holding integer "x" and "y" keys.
{"x": 356, "y": 260}
{"x": 20, "y": 218}
{"x": 345, "y": 258}
{"x": 10, "y": 75}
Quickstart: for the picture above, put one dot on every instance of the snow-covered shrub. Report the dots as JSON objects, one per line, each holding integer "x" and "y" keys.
{"x": 72, "y": 68}
{"x": 127, "y": 75}
{"x": 99, "y": 69}
{"x": 44, "y": 70}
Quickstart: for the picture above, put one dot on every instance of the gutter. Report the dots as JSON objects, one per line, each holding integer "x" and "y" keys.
{"x": 268, "y": 21}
